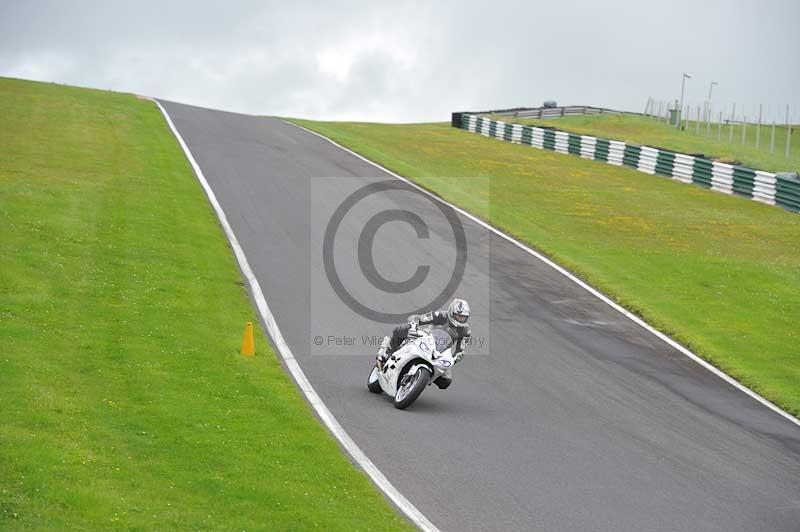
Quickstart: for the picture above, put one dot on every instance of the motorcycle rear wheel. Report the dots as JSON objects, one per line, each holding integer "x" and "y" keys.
{"x": 411, "y": 387}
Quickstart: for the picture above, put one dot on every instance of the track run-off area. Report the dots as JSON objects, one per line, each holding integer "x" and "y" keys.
{"x": 568, "y": 415}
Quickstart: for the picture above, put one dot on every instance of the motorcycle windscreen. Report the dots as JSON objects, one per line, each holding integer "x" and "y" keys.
{"x": 442, "y": 339}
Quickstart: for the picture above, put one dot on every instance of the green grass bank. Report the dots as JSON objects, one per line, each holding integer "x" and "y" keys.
{"x": 719, "y": 273}
{"x": 648, "y": 131}
{"x": 124, "y": 401}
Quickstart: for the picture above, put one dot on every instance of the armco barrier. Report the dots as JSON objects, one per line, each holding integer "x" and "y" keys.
{"x": 553, "y": 112}
{"x": 787, "y": 192}
{"x": 774, "y": 189}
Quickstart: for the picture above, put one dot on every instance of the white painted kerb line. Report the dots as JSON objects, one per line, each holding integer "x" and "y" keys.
{"x": 283, "y": 348}
{"x": 633, "y": 317}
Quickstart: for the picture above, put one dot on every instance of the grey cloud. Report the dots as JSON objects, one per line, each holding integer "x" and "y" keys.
{"x": 409, "y": 61}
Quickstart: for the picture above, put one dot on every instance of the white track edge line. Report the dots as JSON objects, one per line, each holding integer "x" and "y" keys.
{"x": 630, "y": 315}
{"x": 303, "y": 383}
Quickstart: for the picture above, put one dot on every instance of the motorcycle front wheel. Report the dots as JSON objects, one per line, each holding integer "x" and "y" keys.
{"x": 410, "y": 387}
{"x": 372, "y": 381}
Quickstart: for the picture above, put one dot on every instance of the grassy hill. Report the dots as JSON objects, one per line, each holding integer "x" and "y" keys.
{"x": 124, "y": 401}
{"x": 719, "y": 273}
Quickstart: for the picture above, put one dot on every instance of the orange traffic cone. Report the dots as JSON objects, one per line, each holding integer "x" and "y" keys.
{"x": 248, "y": 343}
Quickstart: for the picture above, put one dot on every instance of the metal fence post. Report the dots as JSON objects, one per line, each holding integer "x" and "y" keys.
{"x": 705, "y": 111}
{"x": 772, "y": 139}
{"x": 697, "y": 122}
{"x": 744, "y": 128}
{"x": 758, "y": 128}
{"x": 719, "y": 128}
{"x": 730, "y": 125}
{"x": 788, "y": 132}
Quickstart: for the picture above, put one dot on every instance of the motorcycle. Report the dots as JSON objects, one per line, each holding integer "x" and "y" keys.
{"x": 424, "y": 358}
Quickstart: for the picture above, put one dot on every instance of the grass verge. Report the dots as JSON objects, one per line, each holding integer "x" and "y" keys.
{"x": 719, "y": 273}
{"x": 124, "y": 401}
{"x": 648, "y": 131}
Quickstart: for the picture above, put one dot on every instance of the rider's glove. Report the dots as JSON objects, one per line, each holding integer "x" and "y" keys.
{"x": 459, "y": 356}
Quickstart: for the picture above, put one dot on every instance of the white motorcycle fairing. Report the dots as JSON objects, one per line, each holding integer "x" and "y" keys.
{"x": 417, "y": 353}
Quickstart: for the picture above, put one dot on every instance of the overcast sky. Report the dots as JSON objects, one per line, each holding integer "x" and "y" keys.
{"x": 411, "y": 61}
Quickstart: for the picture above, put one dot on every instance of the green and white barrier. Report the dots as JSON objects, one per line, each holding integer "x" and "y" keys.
{"x": 766, "y": 187}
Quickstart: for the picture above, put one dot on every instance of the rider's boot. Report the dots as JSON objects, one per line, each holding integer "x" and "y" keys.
{"x": 383, "y": 355}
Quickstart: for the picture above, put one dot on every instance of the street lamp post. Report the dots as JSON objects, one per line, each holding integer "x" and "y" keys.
{"x": 683, "y": 86}
{"x": 708, "y": 107}
{"x": 711, "y": 88}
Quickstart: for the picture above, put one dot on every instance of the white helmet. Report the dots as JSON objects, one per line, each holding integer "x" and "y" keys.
{"x": 458, "y": 313}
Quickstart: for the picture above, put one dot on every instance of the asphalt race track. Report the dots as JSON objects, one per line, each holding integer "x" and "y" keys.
{"x": 570, "y": 417}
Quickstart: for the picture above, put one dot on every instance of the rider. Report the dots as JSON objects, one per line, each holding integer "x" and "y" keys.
{"x": 453, "y": 320}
